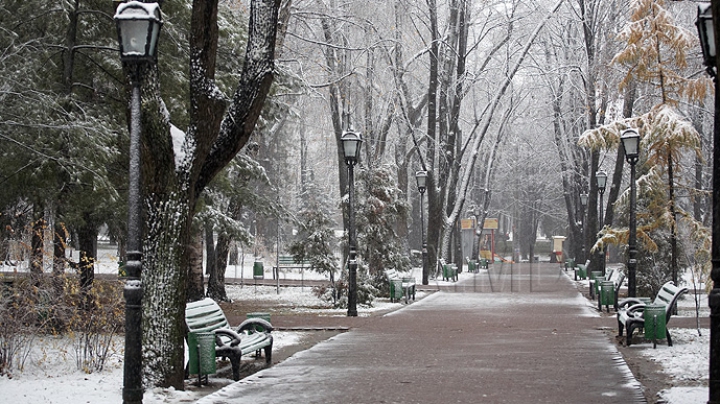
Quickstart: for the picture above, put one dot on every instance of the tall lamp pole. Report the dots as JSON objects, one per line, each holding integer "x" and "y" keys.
{"x": 583, "y": 202}
{"x": 421, "y": 178}
{"x": 601, "y": 178}
{"x": 351, "y": 141}
{"x": 707, "y": 14}
{"x": 631, "y": 143}
{"x": 138, "y": 26}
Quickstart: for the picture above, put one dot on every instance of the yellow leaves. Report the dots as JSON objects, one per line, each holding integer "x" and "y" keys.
{"x": 655, "y": 52}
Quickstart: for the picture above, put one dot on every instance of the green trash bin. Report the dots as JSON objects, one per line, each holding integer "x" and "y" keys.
{"x": 257, "y": 314}
{"x": 261, "y": 315}
{"x": 202, "y": 353}
{"x": 607, "y": 294}
{"x": 258, "y": 270}
{"x": 396, "y": 292}
{"x": 654, "y": 315}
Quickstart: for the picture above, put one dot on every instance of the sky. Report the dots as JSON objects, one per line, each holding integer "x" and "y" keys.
{"x": 50, "y": 374}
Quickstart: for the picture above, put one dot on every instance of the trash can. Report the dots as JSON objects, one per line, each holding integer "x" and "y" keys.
{"x": 654, "y": 315}
{"x": 595, "y": 277}
{"x": 202, "y": 353}
{"x": 396, "y": 292}
{"x": 258, "y": 270}
{"x": 260, "y": 315}
{"x": 607, "y": 294}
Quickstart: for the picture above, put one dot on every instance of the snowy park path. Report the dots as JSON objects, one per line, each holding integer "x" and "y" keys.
{"x": 521, "y": 333}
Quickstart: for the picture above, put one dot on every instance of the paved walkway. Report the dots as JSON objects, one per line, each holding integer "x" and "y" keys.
{"x": 520, "y": 334}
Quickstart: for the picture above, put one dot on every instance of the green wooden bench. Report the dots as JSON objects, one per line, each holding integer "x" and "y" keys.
{"x": 288, "y": 261}
{"x": 449, "y": 271}
{"x": 631, "y": 313}
{"x": 251, "y": 336}
{"x": 399, "y": 284}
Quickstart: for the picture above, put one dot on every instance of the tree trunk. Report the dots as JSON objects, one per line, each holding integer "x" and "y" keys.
{"x": 87, "y": 244}
{"x": 216, "y": 283}
{"x": 209, "y": 249}
{"x": 435, "y": 208}
{"x": 216, "y": 134}
{"x": 673, "y": 217}
{"x": 196, "y": 280}
{"x": 36, "y": 245}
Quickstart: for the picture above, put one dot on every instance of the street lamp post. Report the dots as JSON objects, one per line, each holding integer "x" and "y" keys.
{"x": 138, "y": 25}
{"x": 707, "y": 14}
{"x": 421, "y": 178}
{"x": 351, "y": 150}
{"x": 601, "y": 178}
{"x": 631, "y": 143}
{"x": 583, "y": 202}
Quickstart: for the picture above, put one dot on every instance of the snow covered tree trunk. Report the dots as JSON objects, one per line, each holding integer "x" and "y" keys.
{"x": 216, "y": 281}
{"x": 164, "y": 280}
{"x": 196, "y": 279}
{"x": 174, "y": 179}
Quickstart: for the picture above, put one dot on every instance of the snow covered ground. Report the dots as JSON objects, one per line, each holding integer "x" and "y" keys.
{"x": 50, "y": 374}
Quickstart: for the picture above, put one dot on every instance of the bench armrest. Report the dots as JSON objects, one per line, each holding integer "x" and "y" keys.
{"x": 234, "y": 337}
{"x": 255, "y": 325}
{"x": 636, "y": 308}
{"x": 630, "y": 301}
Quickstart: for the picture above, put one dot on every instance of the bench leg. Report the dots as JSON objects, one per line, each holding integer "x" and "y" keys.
{"x": 667, "y": 334}
{"x": 628, "y": 337}
{"x": 235, "y": 362}
{"x": 268, "y": 352}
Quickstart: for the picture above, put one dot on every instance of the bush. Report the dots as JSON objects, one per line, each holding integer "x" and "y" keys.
{"x": 57, "y": 305}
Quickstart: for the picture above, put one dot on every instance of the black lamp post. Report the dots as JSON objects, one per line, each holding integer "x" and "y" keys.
{"x": 707, "y": 33}
{"x": 631, "y": 143}
{"x": 583, "y": 202}
{"x": 601, "y": 179}
{"x": 421, "y": 178}
{"x": 138, "y": 26}
{"x": 351, "y": 150}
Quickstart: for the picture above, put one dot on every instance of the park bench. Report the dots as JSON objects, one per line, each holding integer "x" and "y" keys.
{"x": 251, "y": 336}
{"x": 449, "y": 271}
{"x": 406, "y": 285}
{"x": 473, "y": 266}
{"x": 289, "y": 262}
{"x": 631, "y": 310}
{"x": 617, "y": 277}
